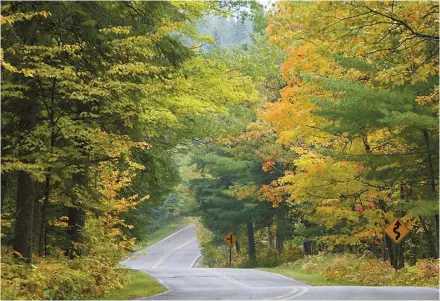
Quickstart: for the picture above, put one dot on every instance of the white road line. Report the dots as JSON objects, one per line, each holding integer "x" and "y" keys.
{"x": 229, "y": 278}
{"x": 295, "y": 292}
{"x": 285, "y": 277}
{"x": 169, "y": 236}
{"x": 143, "y": 250}
{"x": 302, "y": 291}
{"x": 195, "y": 260}
{"x": 161, "y": 282}
{"x": 161, "y": 260}
{"x": 283, "y": 297}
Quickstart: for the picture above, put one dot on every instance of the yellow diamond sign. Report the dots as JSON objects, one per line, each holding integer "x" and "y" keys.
{"x": 396, "y": 230}
{"x": 230, "y": 238}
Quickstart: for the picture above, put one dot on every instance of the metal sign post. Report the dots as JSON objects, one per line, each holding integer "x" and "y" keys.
{"x": 230, "y": 239}
{"x": 230, "y": 256}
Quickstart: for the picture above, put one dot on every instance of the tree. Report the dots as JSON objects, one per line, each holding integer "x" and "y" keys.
{"x": 352, "y": 112}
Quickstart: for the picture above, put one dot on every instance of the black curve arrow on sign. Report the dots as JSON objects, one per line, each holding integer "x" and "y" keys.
{"x": 230, "y": 238}
{"x": 396, "y": 226}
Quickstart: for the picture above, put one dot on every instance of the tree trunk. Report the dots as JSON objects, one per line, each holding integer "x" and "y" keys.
{"x": 237, "y": 246}
{"x": 47, "y": 187}
{"x": 433, "y": 191}
{"x": 43, "y": 223}
{"x": 77, "y": 215}
{"x": 271, "y": 238}
{"x": 429, "y": 235}
{"x": 281, "y": 225}
{"x": 384, "y": 247}
{"x": 26, "y": 196}
{"x": 251, "y": 243}
{"x": 436, "y": 223}
{"x": 400, "y": 255}
{"x": 24, "y": 216}
{"x": 391, "y": 253}
{"x": 77, "y": 220}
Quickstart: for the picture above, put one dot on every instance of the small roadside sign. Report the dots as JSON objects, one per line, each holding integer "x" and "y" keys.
{"x": 230, "y": 238}
{"x": 397, "y": 230}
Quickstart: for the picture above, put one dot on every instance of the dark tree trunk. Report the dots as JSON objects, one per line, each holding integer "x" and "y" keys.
{"x": 384, "y": 247}
{"x": 391, "y": 253}
{"x": 281, "y": 227}
{"x": 412, "y": 258}
{"x": 237, "y": 246}
{"x": 77, "y": 220}
{"x": 24, "y": 216}
{"x": 26, "y": 195}
{"x": 436, "y": 223}
{"x": 77, "y": 215}
{"x": 47, "y": 187}
{"x": 251, "y": 243}
{"x": 433, "y": 191}
{"x": 43, "y": 223}
{"x": 428, "y": 233}
{"x": 271, "y": 238}
{"x": 400, "y": 256}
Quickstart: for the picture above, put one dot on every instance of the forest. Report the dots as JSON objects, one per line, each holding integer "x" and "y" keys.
{"x": 305, "y": 128}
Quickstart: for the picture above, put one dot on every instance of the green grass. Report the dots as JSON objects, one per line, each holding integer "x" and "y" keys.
{"x": 312, "y": 279}
{"x": 139, "y": 284}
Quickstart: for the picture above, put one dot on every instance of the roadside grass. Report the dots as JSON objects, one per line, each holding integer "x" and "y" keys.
{"x": 139, "y": 284}
{"x": 311, "y": 279}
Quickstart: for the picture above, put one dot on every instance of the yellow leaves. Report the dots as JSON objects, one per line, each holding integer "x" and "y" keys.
{"x": 344, "y": 30}
{"x": 306, "y": 60}
{"x": 357, "y": 147}
{"x": 61, "y": 222}
{"x": 18, "y": 17}
{"x": 117, "y": 30}
{"x": 137, "y": 68}
{"x": 146, "y": 197}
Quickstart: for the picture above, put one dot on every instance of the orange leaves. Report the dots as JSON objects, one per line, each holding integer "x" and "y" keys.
{"x": 273, "y": 193}
{"x": 427, "y": 99}
{"x": 268, "y": 165}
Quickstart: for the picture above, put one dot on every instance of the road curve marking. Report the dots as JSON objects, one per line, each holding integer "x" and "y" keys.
{"x": 295, "y": 292}
{"x": 161, "y": 260}
{"x": 283, "y": 297}
{"x": 229, "y": 278}
{"x": 194, "y": 261}
{"x": 285, "y": 277}
{"x": 143, "y": 250}
{"x": 161, "y": 282}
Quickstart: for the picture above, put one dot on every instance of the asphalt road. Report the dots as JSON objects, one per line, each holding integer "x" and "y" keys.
{"x": 171, "y": 262}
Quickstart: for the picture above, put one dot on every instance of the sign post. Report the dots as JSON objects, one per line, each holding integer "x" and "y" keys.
{"x": 230, "y": 239}
{"x": 230, "y": 256}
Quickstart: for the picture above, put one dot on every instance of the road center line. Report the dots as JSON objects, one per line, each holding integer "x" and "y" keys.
{"x": 229, "y": 278}
{"x": 161, "y": 260}
{"x": 143, "y": 250}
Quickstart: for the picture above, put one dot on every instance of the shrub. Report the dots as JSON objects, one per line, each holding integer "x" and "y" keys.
{"x": 363, "y": 270}
{"x": 57, "y": 278}
{"x": 291, "y": 253}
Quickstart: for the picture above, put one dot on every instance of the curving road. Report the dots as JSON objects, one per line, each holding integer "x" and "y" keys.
{"x": 171, "y": 262}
